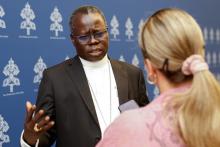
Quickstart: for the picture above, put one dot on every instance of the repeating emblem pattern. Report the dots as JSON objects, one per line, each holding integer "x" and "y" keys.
{"x": 4, "y": 127}
{"x": 129, "y": 29}
{"x": 11, "y": 70}
{"x": 19, "y": 25}
{"x": 2, "y": 22}
{"x": 217, "y": 36}
{"x": 211, "y": 35}
{"x": 121, "y": 58}
{"x": 67, "y": 57}
{"x": 135, "y": 60}
{"x": 156, "y": 92}
{"x": 28, "y": 15}
{"x": 114, "y": 28}
{"x": 56, "y": 26}
{"x": 39, "y": 67}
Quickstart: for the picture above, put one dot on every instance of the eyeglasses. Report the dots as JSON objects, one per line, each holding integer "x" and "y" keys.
{"x": 85, "y": 38}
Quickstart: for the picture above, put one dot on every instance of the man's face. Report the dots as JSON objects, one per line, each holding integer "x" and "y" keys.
{"x": 90, "y": 36}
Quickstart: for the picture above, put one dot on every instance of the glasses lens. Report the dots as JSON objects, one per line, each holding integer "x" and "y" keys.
{"x": 99, "y": 35}
{"x": 84, "y": 38}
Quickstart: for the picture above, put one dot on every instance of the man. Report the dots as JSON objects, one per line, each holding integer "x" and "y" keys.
{"x": 79, "y": 98}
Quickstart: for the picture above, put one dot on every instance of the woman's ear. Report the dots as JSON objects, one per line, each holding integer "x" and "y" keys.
{"x": 151, "y": 72}
{"x": 149, "y": 67}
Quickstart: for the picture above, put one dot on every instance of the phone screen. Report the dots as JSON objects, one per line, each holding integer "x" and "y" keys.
{"x": 128, "y": 105}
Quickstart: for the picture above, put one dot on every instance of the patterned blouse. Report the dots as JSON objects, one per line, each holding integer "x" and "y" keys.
{"x": 149, "y": 126}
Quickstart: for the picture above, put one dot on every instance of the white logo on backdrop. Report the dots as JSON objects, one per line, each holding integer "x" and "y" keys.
{"x": 114, "y": 28}
{"x": 2, "y": 22}
{"x": 67, "y": 57}
{"x": 156, "y": 91}
{"x": 211, "y": 35}
{"x": 141, "y": 24}
{"x": 205, "y": 33}
{"x": 129, "y": 32}
{"x": 208, "y": 58}
{"x": 56, "y": 18}
{"x": 219, "y": 58}
{"x": 135, "y": 60}
{"x": 4, "y": 127}
{"x": 39, "y": 67}
{"x": 28, "y": 15}
{"x": 217, "y": 36}
{"x": 121, "y": 58}
{"x": 11, "y": 70}
{"x": 214, "y": 58}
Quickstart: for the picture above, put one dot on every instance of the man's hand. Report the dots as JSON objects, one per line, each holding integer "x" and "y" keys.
{"x": 35, "y": 124}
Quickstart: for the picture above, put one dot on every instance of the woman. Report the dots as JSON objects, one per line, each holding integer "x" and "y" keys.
{"x": 187, "y": 111}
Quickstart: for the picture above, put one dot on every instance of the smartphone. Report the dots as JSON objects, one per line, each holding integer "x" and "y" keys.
{"x": 131, "y": 104}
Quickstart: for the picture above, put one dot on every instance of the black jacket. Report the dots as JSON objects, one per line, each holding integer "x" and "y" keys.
{"x": 65, "y": 95}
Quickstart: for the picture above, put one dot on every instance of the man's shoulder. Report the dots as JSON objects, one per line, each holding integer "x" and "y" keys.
{"x": 60, "y": 66}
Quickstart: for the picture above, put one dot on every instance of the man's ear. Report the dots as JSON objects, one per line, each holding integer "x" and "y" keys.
{"x": 72, "y": 39}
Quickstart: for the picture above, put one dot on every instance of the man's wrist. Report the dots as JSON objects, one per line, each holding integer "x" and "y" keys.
{"x": 24, "y": 143}
{"x": 31, "y": 145}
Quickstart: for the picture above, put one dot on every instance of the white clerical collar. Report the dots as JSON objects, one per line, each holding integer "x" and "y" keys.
{"x": 95, "y": 64}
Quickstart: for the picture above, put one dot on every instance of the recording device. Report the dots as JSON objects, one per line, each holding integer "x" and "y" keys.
{"x": 128, "y": 105}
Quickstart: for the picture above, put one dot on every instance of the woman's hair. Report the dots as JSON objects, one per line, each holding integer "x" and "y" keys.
{"x": 167, "y": 39}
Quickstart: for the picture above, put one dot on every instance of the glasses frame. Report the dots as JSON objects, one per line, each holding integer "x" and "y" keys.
{"x": 84, "y": 39}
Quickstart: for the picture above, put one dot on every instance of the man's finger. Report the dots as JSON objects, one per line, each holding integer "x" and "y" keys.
{"x": 48, "y": 125}
{"x": 29, "y": 111}
{"x": 38, "y": 116}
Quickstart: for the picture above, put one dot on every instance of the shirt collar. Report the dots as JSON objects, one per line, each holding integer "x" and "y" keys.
{"x": 95, "y": 64}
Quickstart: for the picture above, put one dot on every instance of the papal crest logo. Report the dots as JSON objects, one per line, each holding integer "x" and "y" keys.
{"x": 211, "y": 35}
{"x": 4, "y": 127}
{"x": 39, "y": 67}
{"x": 135, "y": 60}
{"x": 2, "y": 22}
{"x": 67, "y": 57}
{"x": 114, "y": 28}
{"x": 129, "y": 29}
{"x": 121, "y": 58}
{"x": 11, "y": 70}
{"x": 205, "y": 34}
{"x": 217, "y": 36}
{"x": 28, "y": 15}
{"x": 214, "y": 59}
{"x": 156, "y": 91}
{"x": 219, "y": 58}
{"x": 208, "y": 58}
{"x": 56, "y": 18}
{"x": 140, "y": 25}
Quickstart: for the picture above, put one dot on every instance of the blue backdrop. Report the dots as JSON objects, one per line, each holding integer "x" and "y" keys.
{"x": 34, "y": 35}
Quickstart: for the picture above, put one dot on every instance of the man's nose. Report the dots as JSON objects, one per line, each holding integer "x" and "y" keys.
{"x": 93, "y": 39}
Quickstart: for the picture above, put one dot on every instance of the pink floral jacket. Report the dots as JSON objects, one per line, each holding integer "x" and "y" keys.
{"x": 144, "y": 127}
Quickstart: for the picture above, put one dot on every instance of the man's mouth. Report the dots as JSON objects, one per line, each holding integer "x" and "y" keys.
{"x": 95, "y": 52}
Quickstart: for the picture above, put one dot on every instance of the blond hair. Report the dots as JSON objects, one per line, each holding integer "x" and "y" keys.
{"x": 167, "y": 39}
